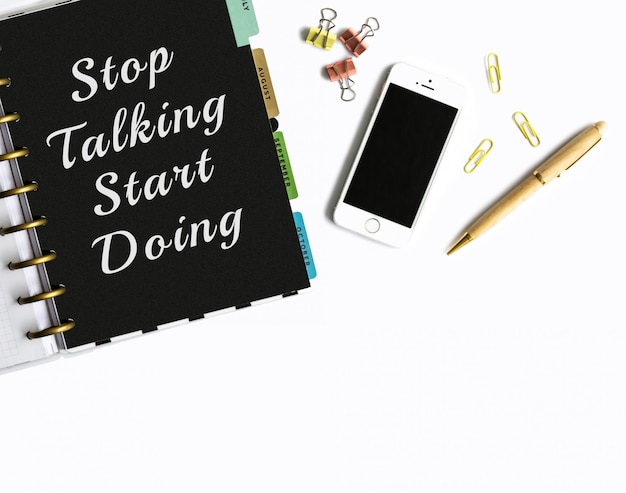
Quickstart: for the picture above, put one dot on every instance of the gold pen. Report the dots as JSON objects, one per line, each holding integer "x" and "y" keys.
{"x": 552, "y": 167}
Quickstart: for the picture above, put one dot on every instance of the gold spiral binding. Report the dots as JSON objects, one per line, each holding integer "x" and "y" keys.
{"x": 46, "y": 256}
{"x": 14, "y": 154}
{"x": 35, "y": 223}
{"x": 56, "y": 329}
{"x": 46, "y": 295}
{"x": 9, "y": 117}
{"x": 27, "y": 187}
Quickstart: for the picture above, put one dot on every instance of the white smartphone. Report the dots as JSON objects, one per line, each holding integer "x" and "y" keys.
{"x": 404, "y": 143}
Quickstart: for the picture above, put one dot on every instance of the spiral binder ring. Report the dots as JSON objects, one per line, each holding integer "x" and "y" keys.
{"x": 14, "y": 154}
{"x": 9, "y": 117}
{"x": 56, "y": 329}
{"x": 46, "y": 295}
{"x": 27, "y": 187}
{"x": 46, "y": 256}
{"x": 35, "y": 223}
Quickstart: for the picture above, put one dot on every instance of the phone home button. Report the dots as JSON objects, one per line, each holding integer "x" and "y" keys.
{"x": 372, "y": 225}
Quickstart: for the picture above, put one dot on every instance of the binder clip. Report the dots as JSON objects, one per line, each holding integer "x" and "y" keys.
{"x": 355, "y": 41}
{"x": 341, "y": 72}
{"x": 526, "y": 128}
{"x": 493, "y": 72}
{"x": 320, "y": 36}
{"x": 478, "y": 155}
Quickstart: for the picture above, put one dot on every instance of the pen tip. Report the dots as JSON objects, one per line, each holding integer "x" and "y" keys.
{"x": 601, "y": 126}
{"x": 461, "y": 243}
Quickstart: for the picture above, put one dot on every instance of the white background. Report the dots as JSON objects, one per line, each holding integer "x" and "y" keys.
{"x": 501, "y": 368}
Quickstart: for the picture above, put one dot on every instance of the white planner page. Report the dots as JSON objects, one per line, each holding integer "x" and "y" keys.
{"x": 17, "y": 320}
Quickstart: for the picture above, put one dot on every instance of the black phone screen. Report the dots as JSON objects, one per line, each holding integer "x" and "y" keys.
{"x": 400, "y": 155}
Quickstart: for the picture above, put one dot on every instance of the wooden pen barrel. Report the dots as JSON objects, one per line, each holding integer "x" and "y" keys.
{"x": 505, "y": 205}
{"x": 571, "y": 152}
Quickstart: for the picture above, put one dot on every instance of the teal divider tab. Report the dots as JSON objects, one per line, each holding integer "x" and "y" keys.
{"x": 306, "y": 246}
{"x": 243, "y": 20}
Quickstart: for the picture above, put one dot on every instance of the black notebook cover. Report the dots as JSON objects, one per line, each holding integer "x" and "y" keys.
{"x": 155, "y": 217}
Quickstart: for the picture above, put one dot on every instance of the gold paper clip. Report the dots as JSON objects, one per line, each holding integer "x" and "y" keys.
{"x": 320, "y": 36}
{"x": 493, "y": 72}
{"x": 526, "y": 128}
{"x": 478, "y": 155}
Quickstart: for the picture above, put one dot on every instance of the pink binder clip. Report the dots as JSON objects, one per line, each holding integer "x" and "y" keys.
{"x": 355, "y": 41}
{"x": 341, "y": 72}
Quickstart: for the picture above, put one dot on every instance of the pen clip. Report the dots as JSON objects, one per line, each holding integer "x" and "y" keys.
{"x": 569, "y": 153}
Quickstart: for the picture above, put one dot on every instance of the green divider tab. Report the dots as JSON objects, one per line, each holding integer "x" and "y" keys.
{"x": 243, "y": 20}
{"x": 285, "y": 165}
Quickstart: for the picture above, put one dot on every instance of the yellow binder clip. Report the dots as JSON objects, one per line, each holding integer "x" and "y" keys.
{"x": 493, "y": 72}
{"x": 478, "y": 155}
{"x": 320, "y": 36}
{"x": 526, "y": 128}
